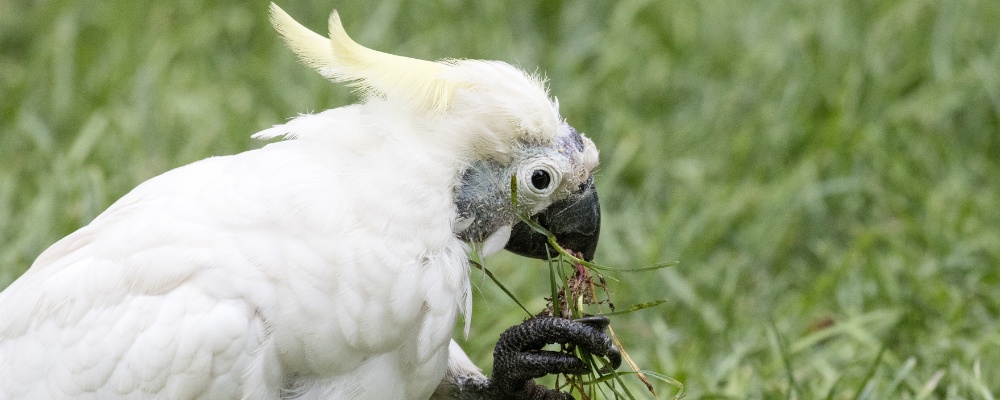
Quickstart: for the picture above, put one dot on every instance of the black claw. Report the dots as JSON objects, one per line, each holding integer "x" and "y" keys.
{"x": 601, "y": 322}
{"x": 597, "y": 321}
{"x": 518, "y": 357}
{"x": 615, "y": 356}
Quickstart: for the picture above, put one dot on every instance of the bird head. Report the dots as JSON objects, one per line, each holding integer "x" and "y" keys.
{"x": 518, "y": 156}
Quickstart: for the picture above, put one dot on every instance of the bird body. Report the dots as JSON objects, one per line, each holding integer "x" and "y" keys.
{"x": 331, "y": 264}
{"x": 195, "y": 255}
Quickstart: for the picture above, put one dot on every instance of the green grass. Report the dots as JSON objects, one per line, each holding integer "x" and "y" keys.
{"x": 827, "y": 172}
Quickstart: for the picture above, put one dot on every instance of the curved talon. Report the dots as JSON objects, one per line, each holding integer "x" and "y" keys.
{"x": 518, "y": 357}
{"x": 615, "y": 356}
{"x": 597, "y": 321}
{"x": 614, "y": 360}
{"x": 601, "y": 322}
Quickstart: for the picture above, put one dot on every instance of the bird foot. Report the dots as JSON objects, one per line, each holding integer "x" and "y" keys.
{"x": 518, "y": 357}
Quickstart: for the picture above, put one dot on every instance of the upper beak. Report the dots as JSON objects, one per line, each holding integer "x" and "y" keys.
{"x": 575, "y": 221}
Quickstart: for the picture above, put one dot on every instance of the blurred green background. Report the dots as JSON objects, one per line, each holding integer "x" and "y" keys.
{"x": 827, "y": 172}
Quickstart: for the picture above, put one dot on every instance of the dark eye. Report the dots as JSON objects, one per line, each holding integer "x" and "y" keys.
{"x": 540, "y": 179}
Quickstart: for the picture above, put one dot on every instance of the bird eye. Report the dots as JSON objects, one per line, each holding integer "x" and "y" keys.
{"x": 540, "y": 179}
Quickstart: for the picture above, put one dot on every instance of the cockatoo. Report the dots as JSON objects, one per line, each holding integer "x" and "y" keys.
{"x": 332, "y": 264}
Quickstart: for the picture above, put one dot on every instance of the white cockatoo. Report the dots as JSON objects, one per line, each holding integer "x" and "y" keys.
{"x": 330, "y": 265}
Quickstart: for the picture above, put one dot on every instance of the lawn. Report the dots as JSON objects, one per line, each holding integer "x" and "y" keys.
{"x": 826, "y": 172}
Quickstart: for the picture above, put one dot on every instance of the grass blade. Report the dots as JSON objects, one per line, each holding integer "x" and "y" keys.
{"x": 500, "y": 285}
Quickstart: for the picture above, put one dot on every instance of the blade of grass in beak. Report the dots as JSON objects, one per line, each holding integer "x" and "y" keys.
{"x": 554, "y": 291}
{"x": 513, "y": 190}
{"x": 574, "y": 259}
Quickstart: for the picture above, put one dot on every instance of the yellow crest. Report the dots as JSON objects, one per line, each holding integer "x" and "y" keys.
{"x": 419, "y": 83}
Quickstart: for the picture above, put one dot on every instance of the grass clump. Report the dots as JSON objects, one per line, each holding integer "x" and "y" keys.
{"x": 578, "y": 290}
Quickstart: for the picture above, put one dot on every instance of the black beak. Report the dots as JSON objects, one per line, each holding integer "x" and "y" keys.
{"x": 575, "y": 221}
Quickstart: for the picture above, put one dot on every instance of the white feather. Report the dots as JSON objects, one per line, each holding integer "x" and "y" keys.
{"x": 307, "y": 252}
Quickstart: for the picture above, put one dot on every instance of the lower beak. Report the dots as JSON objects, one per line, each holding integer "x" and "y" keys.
{"x": 575, "y": 221}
